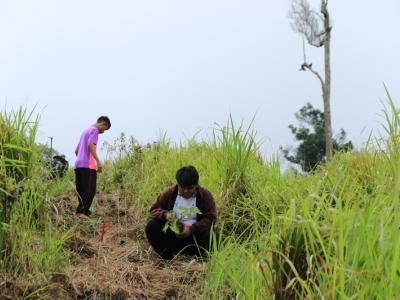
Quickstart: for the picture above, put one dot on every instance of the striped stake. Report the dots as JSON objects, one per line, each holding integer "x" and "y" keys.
{"x": 102, "y": 231}
{"x": 104, "y": 227}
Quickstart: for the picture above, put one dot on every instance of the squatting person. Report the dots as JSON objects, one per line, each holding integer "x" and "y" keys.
{"x": 177, "y": 201}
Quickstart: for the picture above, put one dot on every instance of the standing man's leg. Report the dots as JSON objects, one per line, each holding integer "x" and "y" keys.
{"x": 81, "y": 181}
{"x": 92, "y": 184}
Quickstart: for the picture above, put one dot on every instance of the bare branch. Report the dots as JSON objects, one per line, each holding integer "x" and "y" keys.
{"x": 307, "y": 22}
{"x": 318, "y": 15}
{"x": 305, "y": 67}
{"x": 317, "y": 74}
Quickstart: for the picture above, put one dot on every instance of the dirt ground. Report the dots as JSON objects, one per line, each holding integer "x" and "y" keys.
{"x": 121, "y": 266}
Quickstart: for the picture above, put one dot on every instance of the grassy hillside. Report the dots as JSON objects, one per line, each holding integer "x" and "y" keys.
{"x": 333, "y": 233}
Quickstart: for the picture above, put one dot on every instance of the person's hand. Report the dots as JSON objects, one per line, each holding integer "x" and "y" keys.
{"x": 185, "y": 232}
{"x": 157, "y": 213}
{"x": 99, "y": 168}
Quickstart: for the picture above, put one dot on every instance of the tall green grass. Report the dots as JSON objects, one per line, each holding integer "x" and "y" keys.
{"x": 228, "y": 165}
{"x": 333, "y": 233}
{"x": 30, "y": 244}
{"x": 17, "y": 138}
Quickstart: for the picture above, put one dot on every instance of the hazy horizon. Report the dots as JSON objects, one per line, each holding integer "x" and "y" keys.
{"x": 182, "y": 66}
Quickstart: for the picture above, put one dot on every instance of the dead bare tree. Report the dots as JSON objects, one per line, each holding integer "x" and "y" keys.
{"x": 316, "y": 29}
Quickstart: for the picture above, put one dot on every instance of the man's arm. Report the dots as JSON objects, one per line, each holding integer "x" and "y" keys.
{"x": 93, "y": 151}
{"x": 159, "y": 209}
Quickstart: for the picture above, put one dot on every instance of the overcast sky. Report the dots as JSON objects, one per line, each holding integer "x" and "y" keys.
{"x": 182, "y": 65}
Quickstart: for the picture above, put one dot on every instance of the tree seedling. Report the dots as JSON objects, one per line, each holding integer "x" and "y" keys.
{"x": 175, "y": 222}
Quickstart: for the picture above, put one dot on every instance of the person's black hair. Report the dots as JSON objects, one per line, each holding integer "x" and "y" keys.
{"x": 104, "y": 119}
{"x": 187, "y": 176}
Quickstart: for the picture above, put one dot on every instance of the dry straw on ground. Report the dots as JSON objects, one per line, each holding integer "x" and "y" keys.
{"x": 122, "y": 266}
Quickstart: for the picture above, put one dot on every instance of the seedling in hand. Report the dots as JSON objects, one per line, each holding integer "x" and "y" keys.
{"x": 174, "y": 223}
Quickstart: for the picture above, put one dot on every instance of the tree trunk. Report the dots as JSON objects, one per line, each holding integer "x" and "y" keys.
{"x": 326, "y": 93}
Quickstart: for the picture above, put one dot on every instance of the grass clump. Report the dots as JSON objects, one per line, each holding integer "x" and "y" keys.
{"x": 30, "y": 244}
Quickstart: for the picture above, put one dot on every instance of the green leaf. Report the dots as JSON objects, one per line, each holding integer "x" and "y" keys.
{"x": 165, "y": 227}
{"x": 189, "y": 211}
{"x": 172, "y": 225}
{"x": 19, "y": 148}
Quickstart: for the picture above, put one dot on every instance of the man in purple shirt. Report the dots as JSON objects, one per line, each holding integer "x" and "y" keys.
{"x": 87, "y": 164}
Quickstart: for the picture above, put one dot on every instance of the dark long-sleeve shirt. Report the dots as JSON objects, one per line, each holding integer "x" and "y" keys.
{"x": 204, "y": 202}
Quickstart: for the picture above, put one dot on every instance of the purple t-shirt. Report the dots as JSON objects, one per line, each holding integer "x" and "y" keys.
{"x": 84, "y": 158}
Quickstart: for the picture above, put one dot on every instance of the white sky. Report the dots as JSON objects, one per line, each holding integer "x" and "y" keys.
{"x": 181, "y": 65}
